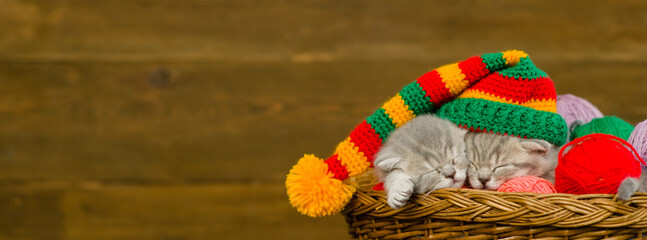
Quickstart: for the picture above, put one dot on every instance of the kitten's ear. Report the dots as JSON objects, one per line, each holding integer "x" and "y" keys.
{"x": 536, "y": 146}
{"x": 387, "y": 164}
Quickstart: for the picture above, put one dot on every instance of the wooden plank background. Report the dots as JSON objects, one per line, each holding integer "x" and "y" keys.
{"x": 166, "y": 119}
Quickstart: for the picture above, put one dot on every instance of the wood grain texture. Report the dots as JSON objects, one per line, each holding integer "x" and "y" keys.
{"x": 255, "y": 30}
{"x": 160, "y": 119}
{"x": 209, "y": 211}
{"x": 110, "y": 122}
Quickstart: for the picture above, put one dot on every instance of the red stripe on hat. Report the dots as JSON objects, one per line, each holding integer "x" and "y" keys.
{"x": 474, "y": 69}
{"x": 335, "y": 167}
{"x": 516, "y": 89}
{"x": 434, "y": 88}
{"x": 472, "y": 129}
{"x": 367, "y": 140}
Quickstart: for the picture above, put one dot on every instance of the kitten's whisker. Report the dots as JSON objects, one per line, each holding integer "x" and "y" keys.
{"x": 426, "y": 194}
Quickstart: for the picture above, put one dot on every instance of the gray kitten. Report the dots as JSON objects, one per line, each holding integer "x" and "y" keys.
{"x": 423, "y": 155}
{"x": 630, "y": 185}
{"x": 495, "y": 159}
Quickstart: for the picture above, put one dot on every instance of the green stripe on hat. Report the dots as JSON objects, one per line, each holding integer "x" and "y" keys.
{"x": 494, "y": 61}
{"x": 381, "y": 123}
{"x": 414, "y": 97}
{"x": 503, "y": 118}
{"x": 524, "y": 69}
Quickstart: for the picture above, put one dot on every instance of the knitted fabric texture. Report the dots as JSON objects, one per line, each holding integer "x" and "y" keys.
{"x": 638, "y": 140}
{"x": 596, "y": 163}
{"x": 575, "y": 109}
{"x": 608, "y": 125}
{"x": 529, "y": 184}
{"x": 503, "y": 92}
{"x": 518, "y": 101}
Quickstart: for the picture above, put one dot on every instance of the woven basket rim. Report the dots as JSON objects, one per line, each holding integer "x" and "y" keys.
{"x": 515, "y": 209}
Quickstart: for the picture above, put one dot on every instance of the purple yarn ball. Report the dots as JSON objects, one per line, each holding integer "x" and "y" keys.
{"x": 573, "y": 108}
{"x": 638, "y": 140}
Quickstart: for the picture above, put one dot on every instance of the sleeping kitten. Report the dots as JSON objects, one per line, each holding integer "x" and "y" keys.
{"x": 630, "y": 185}
{"x": 423, "y": 155}
{"x": 495, "y": 159}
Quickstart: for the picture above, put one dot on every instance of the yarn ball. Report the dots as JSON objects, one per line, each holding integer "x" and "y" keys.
{"x": 595, "y": 163}
{"x": 608, "y": 125}
{"x": 378, "y": 187}
{"x": 573, "y": 108}
{"x": 638, "y": 140}
{"x": 528, "y": 184}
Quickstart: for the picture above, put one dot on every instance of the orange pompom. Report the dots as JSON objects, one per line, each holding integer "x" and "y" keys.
{"x": 314, "y": 191}
{"x": 528, "y": 184}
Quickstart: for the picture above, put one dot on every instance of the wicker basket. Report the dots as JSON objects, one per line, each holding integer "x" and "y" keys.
{"x": 480, "y": 214}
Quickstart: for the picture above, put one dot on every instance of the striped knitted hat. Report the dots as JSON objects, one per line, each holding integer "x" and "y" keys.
{"x": 518, "y": 101}
{"x": 502, "y": 93}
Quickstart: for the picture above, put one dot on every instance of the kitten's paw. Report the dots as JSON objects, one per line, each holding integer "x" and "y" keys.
{"x": 398, "y": 191}
{"x": 397, "y": 199}
{"x": 628, "y": 187}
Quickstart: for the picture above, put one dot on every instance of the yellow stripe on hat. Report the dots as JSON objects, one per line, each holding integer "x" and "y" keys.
{"x": 398, "y": 111}
{"x": 351, "y": 158}
{"x": 546, "y": 105}
{"x": 453, "y": 78}
{"x": 512, "y": 57}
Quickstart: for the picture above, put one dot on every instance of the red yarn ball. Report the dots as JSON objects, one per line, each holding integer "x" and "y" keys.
{"x": 595, "y": 163}
{"x": 528, "y": 184}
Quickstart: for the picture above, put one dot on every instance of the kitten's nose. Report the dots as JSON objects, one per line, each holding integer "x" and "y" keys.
{"x": 484, "y": 175}
{"x": 484, "y": 180}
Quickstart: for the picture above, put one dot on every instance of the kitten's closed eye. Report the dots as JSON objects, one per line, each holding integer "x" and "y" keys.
{"x": 473, "y": 166}
{"x": 508, "y": 171}
{"x": 506, "y": 167}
